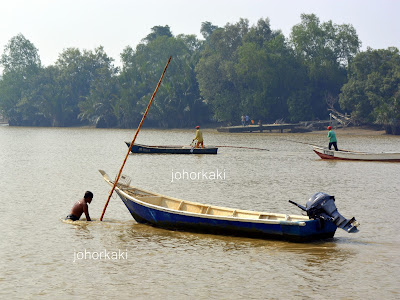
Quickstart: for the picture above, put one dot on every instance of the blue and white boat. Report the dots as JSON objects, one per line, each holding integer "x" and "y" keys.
{"x": 158, "y": 210}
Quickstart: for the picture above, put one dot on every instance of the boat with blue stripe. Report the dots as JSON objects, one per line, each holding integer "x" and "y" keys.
{"x": 176, "y": 214}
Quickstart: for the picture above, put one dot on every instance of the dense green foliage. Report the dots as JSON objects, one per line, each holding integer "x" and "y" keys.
{"x": 235, "y": 70}
{"x": 372, "y": 93}
{"x": 178, "y": 102}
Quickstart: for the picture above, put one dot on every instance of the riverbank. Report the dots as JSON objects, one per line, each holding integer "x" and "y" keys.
{"x": 296, "y": 128}
{"x": 359, "y": 130}
{"x": 353, "y": 130}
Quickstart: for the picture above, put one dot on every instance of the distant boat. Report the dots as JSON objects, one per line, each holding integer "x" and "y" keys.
{"x": 137, "y": 148}
{"x": 172, "y": 213}
{"x": 325, "y": 153}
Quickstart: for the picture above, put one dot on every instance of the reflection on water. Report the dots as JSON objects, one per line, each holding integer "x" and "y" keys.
{"x": 40, "y": 185}
{"x": 317, "y": 252}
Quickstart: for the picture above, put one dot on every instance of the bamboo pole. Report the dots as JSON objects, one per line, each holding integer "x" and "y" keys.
{"x": 243, "y": 147}
{"x": 302, "y": 143}
{"x": 134, "y": 138}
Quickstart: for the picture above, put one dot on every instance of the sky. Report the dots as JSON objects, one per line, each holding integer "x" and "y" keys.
{"x": 55, "y": 25}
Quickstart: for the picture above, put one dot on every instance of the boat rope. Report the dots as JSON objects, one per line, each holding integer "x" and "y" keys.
{"x": 244, "y": 148}
{"x": 302, "y": 143}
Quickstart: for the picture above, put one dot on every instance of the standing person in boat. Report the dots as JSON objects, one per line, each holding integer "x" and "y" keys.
{"x": 332, "y": 138}
{"x": 199, "y": 138}
{"x": 81, "y": 207}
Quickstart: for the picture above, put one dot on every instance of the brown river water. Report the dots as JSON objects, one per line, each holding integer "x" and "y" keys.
{"x": 43, "y": 171}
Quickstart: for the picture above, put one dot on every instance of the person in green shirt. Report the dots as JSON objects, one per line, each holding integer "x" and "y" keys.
{"x": 332, "y": 138}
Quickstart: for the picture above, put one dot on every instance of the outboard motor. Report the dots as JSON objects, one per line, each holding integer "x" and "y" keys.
{"x": 322, "y": 206}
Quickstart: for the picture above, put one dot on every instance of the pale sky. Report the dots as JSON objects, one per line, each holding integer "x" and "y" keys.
{"x": 54, "y": 25}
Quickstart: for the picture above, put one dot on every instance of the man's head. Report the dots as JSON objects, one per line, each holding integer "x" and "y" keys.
{"x": 197, "y": 127}
{"x": 88, "y": 196}
{"x": 329, "y": 127}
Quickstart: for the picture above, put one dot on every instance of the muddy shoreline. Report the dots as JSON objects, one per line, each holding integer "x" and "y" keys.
{"x": 359, "y": 130}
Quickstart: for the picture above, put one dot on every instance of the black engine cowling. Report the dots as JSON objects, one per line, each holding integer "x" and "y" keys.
{"x": 322, "y": 206}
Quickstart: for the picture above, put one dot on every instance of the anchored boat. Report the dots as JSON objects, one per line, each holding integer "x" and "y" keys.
{"x": 325, "y": 153}
{"x": 158, "y": 210}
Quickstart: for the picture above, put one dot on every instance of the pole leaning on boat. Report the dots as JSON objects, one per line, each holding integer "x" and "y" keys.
{"x": 134, "y": 138}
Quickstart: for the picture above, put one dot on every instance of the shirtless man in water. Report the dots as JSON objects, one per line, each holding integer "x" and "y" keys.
{"x": 81, "y": 207}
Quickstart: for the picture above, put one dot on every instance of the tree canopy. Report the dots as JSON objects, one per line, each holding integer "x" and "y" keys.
{"x": 372, "y": 93}
{"x": 236, "y": 69}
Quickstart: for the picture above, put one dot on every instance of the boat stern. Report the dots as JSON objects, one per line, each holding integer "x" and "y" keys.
{"x": 321, "y": 206}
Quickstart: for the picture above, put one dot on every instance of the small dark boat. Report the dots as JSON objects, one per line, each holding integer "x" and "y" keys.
{"x": 137, "y": 148}
{"x": 158, "y": 210}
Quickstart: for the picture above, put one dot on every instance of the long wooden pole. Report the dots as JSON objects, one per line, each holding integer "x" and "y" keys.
{"x": 134, "y": 138}
{"x": 301, "y": 143}
{"x": 243, "y": 148}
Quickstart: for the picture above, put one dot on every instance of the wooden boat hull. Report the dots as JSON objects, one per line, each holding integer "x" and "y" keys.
{"x": 313, "y": 230}
{"x": 137, "y": 148}
{"x": 221, "y": 220}
{"x": 352, "y": 155}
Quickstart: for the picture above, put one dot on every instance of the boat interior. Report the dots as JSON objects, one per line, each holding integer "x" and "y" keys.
{"x": 168, "y": 146}
{"x": 199, "y": 208}
{"x": 340, "y": 150}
